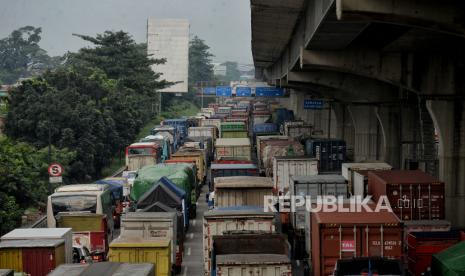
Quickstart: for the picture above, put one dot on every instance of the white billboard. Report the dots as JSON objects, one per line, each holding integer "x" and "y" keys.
{"x": 169, "y": 39}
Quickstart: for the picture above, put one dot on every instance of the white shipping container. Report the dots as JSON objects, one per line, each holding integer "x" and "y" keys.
{"x": 348, "y": 170}
{"x": 299, "y": 131}
{"x": 44, "y": 233}
{"x": 314, "y": 186}
{"x": 151, "y": 226}
{"x": 253, "y": 265}
{"x": 242, "y": 191}
{"x": 217, "y": 222}
{"x": 260, "y": 119}
{"x": 233, "y": 149}
{"x": 212, "y": 122}
{"x": 261, "y": 139}
{"x": 284, "y": 168}
{"x": 207, "y": 131}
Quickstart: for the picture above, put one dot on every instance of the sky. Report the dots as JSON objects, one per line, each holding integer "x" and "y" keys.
{"x": 223, "y": 24}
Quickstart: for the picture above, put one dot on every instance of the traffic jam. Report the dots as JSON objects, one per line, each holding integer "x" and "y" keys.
{"x": 260, "y": 170}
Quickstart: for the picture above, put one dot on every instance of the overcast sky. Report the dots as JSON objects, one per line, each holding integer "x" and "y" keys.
{"x": 223, "y": 24}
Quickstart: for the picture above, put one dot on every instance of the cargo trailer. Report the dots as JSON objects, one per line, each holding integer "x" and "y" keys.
{"x": 369, "y": 266}
{"x": 245, "y": 255}
{"x": 36, "y": 257}
{"x": 104, "y": 269}
{"x": 196, "y": 155}
{"x": 139, "y": 155}
{"x": 262, "y": 139}
{"x": 44, "y": 234}
{"x": 358, "y": 183}
{"x": 242, "y": 191}
{"x": 413, "y": 195}
{"x": 233, "y": 149}
{"x": 330, "y": 152}
{"x": 156, "y": 226}
{"x": 284, "y": 168}
{"x": 156, "y": 252}
{"x": 272, "y": 148}
{"x": 220, "y": 221}
{"x": 205, "y": 131}
{"x": 347, "y": 235}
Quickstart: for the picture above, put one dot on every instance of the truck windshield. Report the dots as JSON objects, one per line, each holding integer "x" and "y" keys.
{"x": 139, "y": 151}
{"x": 74, "y": 203}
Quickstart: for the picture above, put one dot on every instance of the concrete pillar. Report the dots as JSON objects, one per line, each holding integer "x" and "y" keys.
{"x": 389, "y": 120}
{"x": 367, "y": 133}
{"x": 449, "y": 120}
{"x": 344, "y": 127}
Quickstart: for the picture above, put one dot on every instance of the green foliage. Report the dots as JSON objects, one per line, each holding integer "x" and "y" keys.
{"x": 95, "y": 104}
{"x": 232, "y": 73}
{"x": 21, "y": 56}
{"x": 10, "y": 213}
{"x": 200, "y": 64}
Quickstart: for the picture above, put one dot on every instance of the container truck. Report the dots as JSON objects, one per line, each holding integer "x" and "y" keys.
{"x": 330, "y": 152}
{"x": 273, "y": 148}
{"x": 218, "y": 221}
{"x": 104, "y": 269}
{"x": 139, "y": 155}
{"x": 233, "y": 149}
{"x": 242, "y": 191}
{"x": 196, "y": 155}
{"x": 349, "y": 169}
{"x": 156, "y": 226}
{"x": 284, "y": 168}
{"x": 204, "y": 131}
{"x": 245, "y": 255}
{"x": 132, "y": 250}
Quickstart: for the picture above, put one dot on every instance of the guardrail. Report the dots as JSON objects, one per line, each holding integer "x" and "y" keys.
{"x": 119, "y": 172}
{"x": 40, "y": 223}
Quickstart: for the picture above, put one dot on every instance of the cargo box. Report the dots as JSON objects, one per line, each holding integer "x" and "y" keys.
{"x": 219, "y": 221}
{"x": 413, "y": 195}
{"x": 356, "y": 186}
{"x": 104, "y": 269}
{"x": 369, "y": 266}
{"x": 242, "y": 191}
{"x": 273, "y": 148}
{"x": 353, "y": 234}
{"x": 233, "y": 149}
{"x": 330, "y": 152}
{"x": 284, "y": 168}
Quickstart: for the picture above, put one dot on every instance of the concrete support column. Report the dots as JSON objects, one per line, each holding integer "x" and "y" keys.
{"x": 344, "y": 127}
{"x": 367, "y": 133}
{"x": 389, "y": 120}
{"x": 449, "y": 120}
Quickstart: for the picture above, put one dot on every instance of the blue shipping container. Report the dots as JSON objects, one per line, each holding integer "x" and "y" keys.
{"x": 331, "y": 153}
{"x": 265, "y": 128}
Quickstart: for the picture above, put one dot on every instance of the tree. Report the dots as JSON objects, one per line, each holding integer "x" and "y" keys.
{"x": 200, "y": 64}
{"x": 22, "y": 57}
{"x": 232, "y": 73}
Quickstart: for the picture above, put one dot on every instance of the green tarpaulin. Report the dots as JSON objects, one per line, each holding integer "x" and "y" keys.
{"x": 182, "y": 175}
{"x": 450, "y": 262}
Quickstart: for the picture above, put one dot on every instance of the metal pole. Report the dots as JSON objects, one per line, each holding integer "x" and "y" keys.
{"x": 49, "y": 151}
{"x": 201, "y": 91}
{"x": 159, "y": 103}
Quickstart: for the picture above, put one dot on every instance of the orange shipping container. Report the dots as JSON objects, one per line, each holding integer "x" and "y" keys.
{"x": 353, "y": 234}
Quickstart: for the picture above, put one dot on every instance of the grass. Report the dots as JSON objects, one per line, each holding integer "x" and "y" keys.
{"x": 178, "y": 109}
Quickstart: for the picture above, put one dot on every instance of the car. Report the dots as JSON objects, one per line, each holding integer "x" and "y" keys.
{"x": 81, "y": 255}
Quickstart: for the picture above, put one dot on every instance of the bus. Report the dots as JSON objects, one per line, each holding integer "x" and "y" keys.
{"x": 142, "y": 154}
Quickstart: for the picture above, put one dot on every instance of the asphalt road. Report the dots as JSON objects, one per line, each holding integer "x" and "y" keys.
{"x": 193, "y": 245}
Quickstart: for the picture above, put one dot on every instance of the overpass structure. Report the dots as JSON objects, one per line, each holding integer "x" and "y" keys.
{"x": 393, "y": 72}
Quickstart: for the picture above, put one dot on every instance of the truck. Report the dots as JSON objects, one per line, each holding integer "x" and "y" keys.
{"x": 89, "y": 231}
{"x": 139, "y": 155}
{"x": 234, "y": 130}
{"x": 204, "y": 131}
{"x": 218, "y": 221}
{"x": 285, "y": 167}
{"x": 196, "y": 155}
{"x": 137, "y": 250}
{"x": 251, "y": 254}
{"x": 156, "y": 226}
{"x": 349, "y": 169}
{"x": 104, "y": 269}
{"x": 272, "y": 148}
{"x": 233, "y": 149}
{"x": 242, "y": 191}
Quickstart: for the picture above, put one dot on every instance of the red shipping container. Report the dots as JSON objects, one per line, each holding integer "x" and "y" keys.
{"x": 39, "y": 261}
{"x": 413, "y": 195}
{"x": 346, "y": 235}
{"x": 422, "y": 246}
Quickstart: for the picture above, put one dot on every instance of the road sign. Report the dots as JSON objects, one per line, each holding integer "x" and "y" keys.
{"x": 242, "y": 91}
{"x": 223, "y": 91}
{"x": 269, "y": 92}
{"x": 209, "y": 90}
{"x": 55, "y": 170}
{"x": 55, "y": 179}
{"x": 313, "y": 104}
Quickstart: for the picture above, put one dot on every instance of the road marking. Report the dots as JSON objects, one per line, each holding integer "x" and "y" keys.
{"x": 194, "y": 222}
{"x": 185, "y": 271}
{"x": 191, "y": 236}
{"x": 188, "y": 251}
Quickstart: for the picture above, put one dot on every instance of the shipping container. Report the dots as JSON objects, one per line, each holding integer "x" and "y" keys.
{"x": 300, "y": 132}
{"x": 44, "y": 234}
{"x": 205, "y": 143}
{"x": 421, "y": 246}
{"x": 413, "y": 195}
{"x": 232, "y": 126}
{"x": 233, "y": 149}
{"x": 104, "y": 269}
{"x": 212, "y": 122}
{"x": 219, "y": 221}
{"x": 450, "y": 262}
{"x": 197, "y": 155}
{"x": 242, "y": 191}
{"x": 251, "y": 255}
{"x": 139, "y": 155}
{"x": 180, "y": 125}
{"x": 260, "y": 117}
{"x": 284, "y": 168}
{"x": 206, "y": 131}
{"x": 143, "y": 251}
{"x": 235, "y": 134}
{"x": 273, "y": 148}
{"x": 36, "y": 257}
{"x": 344, "y": 235}
{"x": 282, "y": 115}
{"x": 349, "y": 169}
{"x": 369, "y": 266}
{"x": 224, "y": 110}
{"x": 330, "y": 152}
{"x": 266, "y": 129}
{"x": 233, "y": 169}
{"x": 168, "y": 133}
{"x": 313, "y": 186}
{"x": 262, "y": 139}
{"x": 155, "y": 226}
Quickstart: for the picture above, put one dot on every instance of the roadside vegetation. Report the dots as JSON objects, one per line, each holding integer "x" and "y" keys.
{"x": 87, "y": 106}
